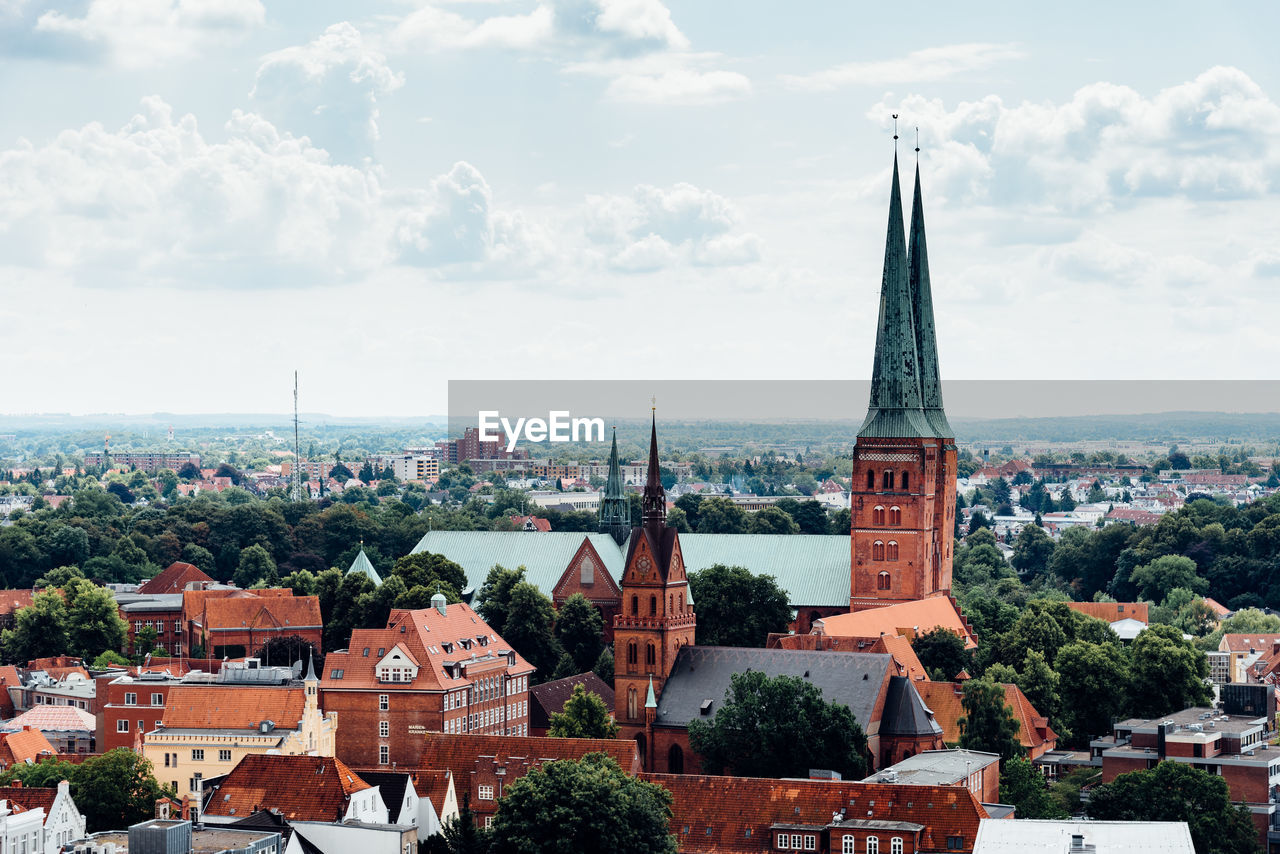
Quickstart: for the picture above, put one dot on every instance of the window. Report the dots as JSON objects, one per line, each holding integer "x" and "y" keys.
{"x": 895, "y": 516}
{"x": 631, "y": 654}
{"x": 488, "y": 822}
{"x": 873, "y": 845}
{"x": 384, "y": 754}
{"x": 142, "y": 725}
{"x": 795, "y": 841}
{"x": 650, "y": 656}
{"x": 588, "y": 572}
{"x": 384, "y": 729}
{"x": 811, "y": 842}
{"x": 895, "y": 845}
{"x": 906, "y": 481}
{"x": 484, "y": 793}
{"x": 955, "y": 843}
{"x": 635, "y": 605}
{"x": 784, "y": 841}
{"x": 131, "y": 699}
{"x": 888, "y": 480}
{"x": 384, "y": 702}
{"x": 871, "y": 481}
{"x": 335, "y": 674}
{"x": 891, "y": 551}
{"x": 653, "y": 606}
{"x": 224, "y": 755}
{"x": 877, "y": 550}
{"x": 157, "y": 699}
{"x": 877, "y": 516}
{"x": 882, "y": 581}
{"x": 631, "y": 703}
{"x": 849, "y": 845}
{"x": 122, "y": 726}
{"x": 197, "y": 756}
{"x": 166, "y": 760}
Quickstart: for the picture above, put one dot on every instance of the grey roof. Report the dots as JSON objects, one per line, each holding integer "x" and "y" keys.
{"x": 934, "y": 767}
{"x": 391, "y": 786}
{"x": 904, "y": 712}
{"x": 154, "y": 602}
{"x": 813, "y": 570}
{"x": 703, "y": 673}
{"x": 1028, "y": 836}
{"x": 544, "y": 556}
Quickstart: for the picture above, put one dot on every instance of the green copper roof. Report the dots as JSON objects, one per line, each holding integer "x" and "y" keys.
{"x": 895, "y": 409}
{"x": 615, "y": 510}
{"x": 922, "y": 308}
{"x": 544, "y": 556}
{"x": 650, "y": 699}
{"x": 362, "y": 566}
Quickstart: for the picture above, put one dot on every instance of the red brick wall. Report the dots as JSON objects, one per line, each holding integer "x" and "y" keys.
{"x": 408, "y": 713}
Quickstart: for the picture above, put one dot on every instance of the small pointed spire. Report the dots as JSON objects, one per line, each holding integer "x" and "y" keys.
{"x": 922, "y": 310}
{"x": 615, "y": 510}
{"x": 311, "y": 668}
{"x": 655, "y": 497}
{"x": 651, "y": 699}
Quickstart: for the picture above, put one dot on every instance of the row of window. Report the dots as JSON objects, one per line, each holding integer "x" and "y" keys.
{"x": 483, "y": 690}
{"x": 42, "y": 700}
{"x": 675, "y": 604}
{"x": 881, "y": 550}
{"x": 887, "y": 480}
{"x": 849, "y": 845}
{"x": 158, "y": 625}
{"x": 132, "y": 699}
{"x": 123, "y": 726}
{"x": 459, "y": 725}
{"x": 197, "y": 755}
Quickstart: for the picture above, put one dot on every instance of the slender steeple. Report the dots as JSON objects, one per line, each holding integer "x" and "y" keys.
{"x": 655, "y": 497}
{"x": 922, "y": 309}
{"x": 615, "y": 510}
{"x": 895, "y": 409}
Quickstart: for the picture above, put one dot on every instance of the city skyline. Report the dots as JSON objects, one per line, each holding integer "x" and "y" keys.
{"x": 495, "y": 190}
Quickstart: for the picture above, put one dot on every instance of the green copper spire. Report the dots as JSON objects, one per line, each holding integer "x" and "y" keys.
{"x": 922, "y": 308}
{"x": 895, "y": 410}
{"x": 650, "y": 699}
{"x": 615, "y": 510}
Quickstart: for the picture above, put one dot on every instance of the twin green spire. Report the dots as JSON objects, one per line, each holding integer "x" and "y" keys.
{"x": 615, "y": 509}
{"x": 906, "y": 392}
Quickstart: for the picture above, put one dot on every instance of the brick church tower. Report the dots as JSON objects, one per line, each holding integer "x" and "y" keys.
{"x": 904, "y": 459}
{"x": 656, "y": 618}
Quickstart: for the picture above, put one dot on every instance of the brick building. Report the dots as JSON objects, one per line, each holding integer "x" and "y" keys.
{"x": 945, "y": 700}
{"x": 437, "y": 669}
{"x": 904, "y": 458}
{"x": 175, "y": 578}
{"x": 159, "y": 611}
{"x": 482, "y": 766}
{"x": 315, "y": 788}
{"x": 239, "y": 622}
{"x": 130, "y": 706}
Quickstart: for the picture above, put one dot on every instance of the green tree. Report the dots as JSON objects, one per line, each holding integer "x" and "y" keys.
{"x": 778, "y": 727}
{"x": 116, "y": 789}
{"x": 493, "y": 601}
{"x": 1173, "y": 791}
{"x": 144, "y": 640}
{"x": 568, "y": 807}
{"x": 529, "y": 629}
{"x": 811, "y": 516}
{"x": 584, "y": 716}
{"x": 604, "y": 666}
{"x": 579, "y": 629}
{"x": 58, "y": 577}
{"x": 1154, "y": 580}
{"x": 425, "y": 569}
{"x": 737, "y": 607}
{"x": 1166, "y": 673}
{"x": 721, "y": 516}
{"x": 109, "y": 659}
{"x": 1039, "y": 683}
{"x": 1095, "y": 677}
{"x": 1023, "y": 786}
{"x": 942, "y": 653}
{"x": 988, "y": 723}
{"x": 1032, "y": 550}
{"x": 461, "y": 835}
{"x": 256, "y": 566}
{"x": 199, "y": 557}
{"x": 39, "y": 630}
{"x": 772, "y": 520}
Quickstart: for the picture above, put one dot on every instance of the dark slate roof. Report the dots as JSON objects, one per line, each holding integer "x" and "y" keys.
{"x": 391, "y": 786}
{"x": 270, "y": 820}
{"x": 549, "y": 697}
{"x": 702, "y": 673}
{"x": 904, "y": 712}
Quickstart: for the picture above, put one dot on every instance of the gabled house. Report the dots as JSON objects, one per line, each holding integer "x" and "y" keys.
{"x": 300, "y": 788}
{"x": 62, "y": 821}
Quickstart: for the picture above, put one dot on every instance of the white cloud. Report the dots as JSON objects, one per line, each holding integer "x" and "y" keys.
{"x": 1217, "y": 136}
{"x": 919, "y": 66}
{"x": 433, "y": 28}
{"x": 676, "y": 80}
{"x": 327, "y": 90}
{"x": 139, "y": 33}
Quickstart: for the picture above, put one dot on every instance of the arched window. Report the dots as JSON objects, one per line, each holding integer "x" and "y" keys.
{"x": 871, "y": 480}
{"x": 631, "y": 703}
{"x": 588, "y": 572}
{"x": 650, "y": 656}
{"x": 891, "y": 553}
{"x": 671, "y": 603}
{"x": 906, "y": 481}
{"x": 895, "y": 516}
{"x": 635, "y": 605}
{"x": 653, "y": 606}
{"x": 675, "y": 761}
{"x": 888, "y": 480}
{"x": 873, "y": 845}
{"x": 849, "y": 845}
{"x": 681, "y": 603}
{"x": 631, "y": 654}
{"x": 877, "y": 550}
{"x": 877, "y": 516}
{"x": 882, "y": 581}
{"x": 895, "y": 845}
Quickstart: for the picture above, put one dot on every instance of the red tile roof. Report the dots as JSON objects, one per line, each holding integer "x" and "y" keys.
{"x": 1217, "y": 607}
{"x": 734, "y": 814}
{"x": 284, "y": 612}
{"x": 944, "y": 700}
{"x": 30, "y": 797}
{"x": 906, "y": 618}
{"x": 233, "y": 706}
{"x": 174, "y": 579}
{"x": 433, "y": 784}
{"x": 14, "y": 600}
{"x": 430, "y": 638}
{"x": 1244, "y": 642}
{"x": 303, "y": 788}
{"x": 460, "y": 754}
{"x": 28, "y": 744}
{"x": 1112, "y": 612}
{"x": 53, "y": 719}
{"x": 896, "y": 645}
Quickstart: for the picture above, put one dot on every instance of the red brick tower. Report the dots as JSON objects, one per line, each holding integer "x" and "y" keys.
{"x": 904, "y": 460}
{"x": 657, "y": 614}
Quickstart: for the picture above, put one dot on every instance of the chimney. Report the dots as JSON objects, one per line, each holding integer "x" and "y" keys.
{"x": 186, "y": 808}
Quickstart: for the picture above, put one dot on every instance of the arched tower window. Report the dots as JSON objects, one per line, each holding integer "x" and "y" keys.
{"x": 671, "y": 603}
{"x": 871, "y": 480}
{"x": 877, "y": 550}
{"x": 882, "y": 581}
{"x": 906, "y": 480}
{"x": 675, "y": 761}
{"x": 888, "y": 480}
{"x": 635, "y": 605}
{"x": 631, "y": 703}
{"x": 877, "y": 516}
{"x": 891, "y": 551}
{"x": 650, "y": 656}
{"x": 895, "y": 515}
{"x": 653, "y": 606}
{"x": 631, "y": 655}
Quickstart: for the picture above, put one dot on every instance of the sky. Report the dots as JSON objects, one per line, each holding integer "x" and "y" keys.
{"x": 199, "y": 197}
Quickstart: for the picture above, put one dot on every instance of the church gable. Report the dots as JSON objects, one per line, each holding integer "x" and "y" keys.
{"x": 586, "y": 574}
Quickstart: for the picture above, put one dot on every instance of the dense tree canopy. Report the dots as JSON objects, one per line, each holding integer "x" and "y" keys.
{"x": 584, "y": 716}
{"x": 988, "y": 723}
{"x": 113, "y": 790}
{"x": 736, "y": 607}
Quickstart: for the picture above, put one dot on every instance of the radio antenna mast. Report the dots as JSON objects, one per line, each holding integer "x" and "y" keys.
{"x": 297, "y": 457}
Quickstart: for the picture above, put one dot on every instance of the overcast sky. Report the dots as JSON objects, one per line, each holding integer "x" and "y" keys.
{"x": 199, "y": 197}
